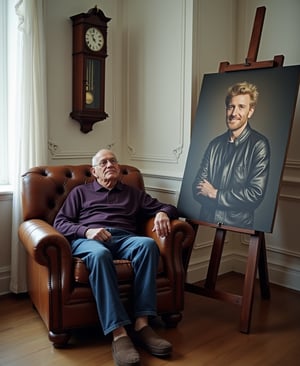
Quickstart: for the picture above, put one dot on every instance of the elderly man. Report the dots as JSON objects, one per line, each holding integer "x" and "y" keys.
{"x": 100, "y": 221}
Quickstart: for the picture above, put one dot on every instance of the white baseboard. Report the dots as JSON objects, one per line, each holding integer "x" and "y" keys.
{"x": 278, "y": 274}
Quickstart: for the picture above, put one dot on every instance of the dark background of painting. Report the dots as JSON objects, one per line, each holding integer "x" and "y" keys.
{"x": 273, "y": 116}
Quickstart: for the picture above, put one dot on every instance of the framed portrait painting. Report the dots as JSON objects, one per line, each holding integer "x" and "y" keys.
{"x": 238, "y": 148}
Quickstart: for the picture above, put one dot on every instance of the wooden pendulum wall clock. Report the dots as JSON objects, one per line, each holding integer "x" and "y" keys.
{"x": 89, "y": 54}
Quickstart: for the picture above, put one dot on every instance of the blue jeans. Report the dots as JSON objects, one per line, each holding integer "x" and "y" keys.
{"x": 98, "y": 257}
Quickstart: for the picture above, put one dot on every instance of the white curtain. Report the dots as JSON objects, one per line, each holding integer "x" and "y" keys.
{"x": 27, "y": 112}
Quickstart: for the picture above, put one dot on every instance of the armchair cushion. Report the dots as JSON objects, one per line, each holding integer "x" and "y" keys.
{"x": 123, "y": 267}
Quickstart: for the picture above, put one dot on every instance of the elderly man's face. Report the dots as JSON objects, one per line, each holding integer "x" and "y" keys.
{"x": 106, "y": 168}
{"x": 238, "y": 111}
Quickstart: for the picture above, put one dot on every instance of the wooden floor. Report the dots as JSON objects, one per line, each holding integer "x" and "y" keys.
{"x": 207, "y": 335}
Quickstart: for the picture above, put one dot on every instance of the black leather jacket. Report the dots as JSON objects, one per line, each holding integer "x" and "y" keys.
{"x": 239, "y": 171}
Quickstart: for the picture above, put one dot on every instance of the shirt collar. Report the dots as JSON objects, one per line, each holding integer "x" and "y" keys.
{"x": 99, "y": 187}
{"x": 242, "y": 136}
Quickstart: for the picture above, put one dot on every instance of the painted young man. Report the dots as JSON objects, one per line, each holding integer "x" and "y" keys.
{"x": 233, "y": 175}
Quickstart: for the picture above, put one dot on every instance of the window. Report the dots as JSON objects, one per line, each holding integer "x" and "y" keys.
{"x": 9, "y": 46}
{"x": 23, "y": 107}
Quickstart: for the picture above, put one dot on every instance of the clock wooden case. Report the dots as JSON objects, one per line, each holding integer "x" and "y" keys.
{"x": 89, "y": 54}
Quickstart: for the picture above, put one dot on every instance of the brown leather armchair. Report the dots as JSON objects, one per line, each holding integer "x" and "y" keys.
{"x": 58, "y": 283}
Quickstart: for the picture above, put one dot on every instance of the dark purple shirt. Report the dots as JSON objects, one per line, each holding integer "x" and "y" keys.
{"x": 91, "y": 206}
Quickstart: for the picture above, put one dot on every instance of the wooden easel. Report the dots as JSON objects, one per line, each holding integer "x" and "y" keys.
{"x": 257, "y": 258}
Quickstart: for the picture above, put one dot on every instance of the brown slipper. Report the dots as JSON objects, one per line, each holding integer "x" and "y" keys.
{"x": 152, "y": 342}
{"x": 124, "y": 352}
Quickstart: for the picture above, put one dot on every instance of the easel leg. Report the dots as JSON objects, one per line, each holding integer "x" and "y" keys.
{"x": 215, "y": 259}
{"x": 263, "y": 270}
{"x": 249, "y": 283}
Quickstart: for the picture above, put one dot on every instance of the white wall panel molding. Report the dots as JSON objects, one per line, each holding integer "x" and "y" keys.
{"x": 208, "y": 243}
{"x": 280, "y": 273}
{"x": 161, "y": 176}
{"x": 160, "y": 190}
{"x": 288, "y": 253}
{"x": 291, "y": 172}
{"x": 290, "y": 187}
{"x": 290, "y": 197}
{"x": 163, "y": 194}
{"x": 5, "y": 248}
{"x": 158, "y": 84}
{"x": 58, "y": 154}
{"x": 284, "y": 276}
{"x": 198, "y": 267}
{"x": 201, "y": 245}
{"x": 4, "y": 279}
{"x": 293, "y": 164}
{"x": 171, "y": 157}
{"x": 6, "y": 195}
{"x": 272, "y": 248}
{"x": 162, "y": 186}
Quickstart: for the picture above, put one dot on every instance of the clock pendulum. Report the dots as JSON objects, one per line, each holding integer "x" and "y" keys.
{"x": 89, "y": 96}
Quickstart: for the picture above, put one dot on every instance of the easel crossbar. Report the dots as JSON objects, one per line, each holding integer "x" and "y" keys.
{"x": 215, "y": 294}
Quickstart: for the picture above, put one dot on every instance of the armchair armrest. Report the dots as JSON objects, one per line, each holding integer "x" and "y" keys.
{"x": 47, "y": 247}
{"x": 176, "y": 248}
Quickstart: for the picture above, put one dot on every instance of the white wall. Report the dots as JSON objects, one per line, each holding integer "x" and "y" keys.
{"x": 158, "y": 52}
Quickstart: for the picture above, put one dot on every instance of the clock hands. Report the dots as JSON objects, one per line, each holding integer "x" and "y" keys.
{"x": 94, "y": 39}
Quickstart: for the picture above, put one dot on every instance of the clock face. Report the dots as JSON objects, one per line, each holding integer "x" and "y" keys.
{"x": 94, "y": 39}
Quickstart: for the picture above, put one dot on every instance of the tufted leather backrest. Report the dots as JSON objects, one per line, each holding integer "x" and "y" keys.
{"x": 46, "y": 187}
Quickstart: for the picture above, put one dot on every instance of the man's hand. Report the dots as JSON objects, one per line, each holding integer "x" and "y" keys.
{"x": 162, "y": 224}
{"x": 100, "y": 234}
{"x": 206, "y": 189}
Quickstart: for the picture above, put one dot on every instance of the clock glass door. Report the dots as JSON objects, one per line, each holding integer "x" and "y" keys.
{"x": 92, "y": 84}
